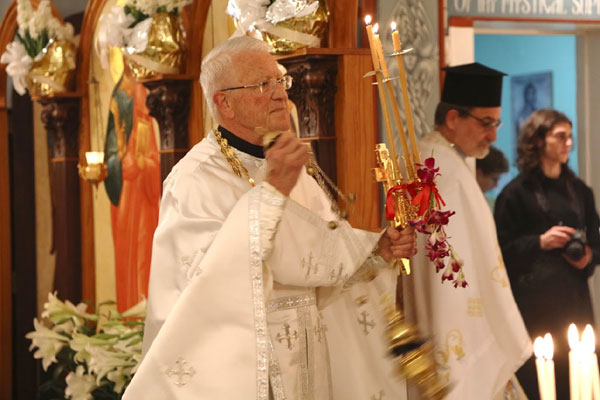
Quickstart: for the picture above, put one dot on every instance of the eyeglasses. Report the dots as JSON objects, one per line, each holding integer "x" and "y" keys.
{"x": 268, "y": 85}
{"x": 486, "y": 123}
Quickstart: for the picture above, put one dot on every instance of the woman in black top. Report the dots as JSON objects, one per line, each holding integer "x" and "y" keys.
{"x": 548, "y": 231}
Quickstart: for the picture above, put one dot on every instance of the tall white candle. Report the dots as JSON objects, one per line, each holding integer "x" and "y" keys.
{"x": 595, "y": 374}
{"x": 587, "y": 350}
{"x": 549, "y": 367}
{"x": 574, "y": 381}
{"x": 538, "y": 350}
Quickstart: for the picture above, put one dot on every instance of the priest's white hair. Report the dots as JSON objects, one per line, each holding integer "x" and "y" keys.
{"x": 218, "y": 64}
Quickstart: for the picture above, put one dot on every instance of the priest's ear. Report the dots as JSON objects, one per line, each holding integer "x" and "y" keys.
{"x": 451, "y": 118}
{"x": 223, "y": 104}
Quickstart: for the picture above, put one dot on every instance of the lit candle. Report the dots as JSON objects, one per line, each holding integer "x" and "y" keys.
{"x": 94, "y": 157}
{"x": 409, "y": 118}
{"x": 372, "y": 35}
{"x": 595, "y": 374}
{"x": 587, "y": 351}
{"x": 538, "y": 350}
{"x": 549, "y": 367}
{"x": 574, "y": 378}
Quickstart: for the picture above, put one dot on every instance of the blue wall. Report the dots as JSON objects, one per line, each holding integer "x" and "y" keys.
{"x": 525, "y": 54}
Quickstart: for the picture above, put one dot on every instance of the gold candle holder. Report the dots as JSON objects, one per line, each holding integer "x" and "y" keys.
{"x": 94, "y": 171}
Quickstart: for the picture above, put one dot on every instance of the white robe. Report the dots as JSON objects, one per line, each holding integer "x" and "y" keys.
{"x": 479, "y": 334}
{"x": 220, "y": 320}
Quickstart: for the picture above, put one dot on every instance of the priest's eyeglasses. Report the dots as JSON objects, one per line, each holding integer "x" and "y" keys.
{"x": 486, "y": 123}
{"x": 268, "y": 85}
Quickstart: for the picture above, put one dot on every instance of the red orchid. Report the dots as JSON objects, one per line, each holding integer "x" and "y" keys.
{"x": 425, "y": 197}
{"x": 426, "y": 172}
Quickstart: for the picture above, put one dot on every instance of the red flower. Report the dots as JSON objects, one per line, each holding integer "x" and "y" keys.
{"x": 426, "y": 172}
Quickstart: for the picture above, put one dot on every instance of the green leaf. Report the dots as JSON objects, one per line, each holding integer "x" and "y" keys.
{"x": 133, "y": 323}
{"x": 105, "y": 336}
{"x": 134, "y": 342}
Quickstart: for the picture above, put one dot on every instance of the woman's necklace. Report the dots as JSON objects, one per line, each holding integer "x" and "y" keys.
{"x": 232, "y": 159}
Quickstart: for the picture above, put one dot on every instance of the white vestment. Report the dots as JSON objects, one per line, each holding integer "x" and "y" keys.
{"x": 479, "y": 336}
{"x": 249, "y": 289}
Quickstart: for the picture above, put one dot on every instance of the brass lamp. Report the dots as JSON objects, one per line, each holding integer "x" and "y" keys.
{"x": 94, "y": 170}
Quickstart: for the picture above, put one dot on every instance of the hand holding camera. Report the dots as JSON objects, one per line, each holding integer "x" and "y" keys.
{"x": 556, "y": 237}
{"x": 572, "y": 241}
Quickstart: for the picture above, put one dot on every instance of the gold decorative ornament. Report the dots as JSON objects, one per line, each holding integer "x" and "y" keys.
{"x": 232, "y": 159}
{"x": 296, "y": 33}
{"x": 55, "y": 71}
{"x": 165, "y": 50}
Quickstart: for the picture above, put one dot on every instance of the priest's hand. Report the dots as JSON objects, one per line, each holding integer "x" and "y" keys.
{"x": 397, "y": 243}
{"x": 583, "y": 261}
{"x": 556, "y": 237}
{"x": 285, "y": 160}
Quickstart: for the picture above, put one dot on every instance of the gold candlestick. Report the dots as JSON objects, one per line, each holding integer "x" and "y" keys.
{"x": 383, "y": 102}
{"x": 409, "y": 118}
{"x": 408, "y": 161}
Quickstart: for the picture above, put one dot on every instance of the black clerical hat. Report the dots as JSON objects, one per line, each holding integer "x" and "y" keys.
{"x": 472, "y": 85}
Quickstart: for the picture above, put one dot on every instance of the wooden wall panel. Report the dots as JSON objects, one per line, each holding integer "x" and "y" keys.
{"x": 356, "y": 127}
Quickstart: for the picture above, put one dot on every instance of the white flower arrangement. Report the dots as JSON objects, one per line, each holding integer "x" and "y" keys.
{"x": 255, "y": 14}
{"x": 90, "y": 359}
{"x": 127, "y": 26}
{"x": 37, "y": 28}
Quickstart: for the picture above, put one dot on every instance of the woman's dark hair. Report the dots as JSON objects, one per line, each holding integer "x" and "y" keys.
{"x": 532, "y": 135}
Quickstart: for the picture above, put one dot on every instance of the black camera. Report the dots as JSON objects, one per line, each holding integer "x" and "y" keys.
{"x": 575, "y": 248}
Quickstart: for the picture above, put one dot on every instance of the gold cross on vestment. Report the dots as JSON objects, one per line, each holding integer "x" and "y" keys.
{"x": 180, "y": 371}
{"x": 288, "y": 336}
{"x": 310, "y": 267}
{"x": 320, "y": 330}
{"x": 379, "y": 396}
{"x": 365, "y": 323}
{"x": 339, "y": 276}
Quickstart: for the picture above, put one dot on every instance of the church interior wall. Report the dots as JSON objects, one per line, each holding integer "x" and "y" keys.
{"x": 531, "y": 54}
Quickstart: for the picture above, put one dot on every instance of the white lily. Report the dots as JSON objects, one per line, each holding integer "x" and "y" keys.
{"x": 79, "y": 385}
{"x": 47, "y": 342}
{"x": 19, "y": 64}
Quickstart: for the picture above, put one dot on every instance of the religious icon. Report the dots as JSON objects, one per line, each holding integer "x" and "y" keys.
{"x": 132, "y": 184}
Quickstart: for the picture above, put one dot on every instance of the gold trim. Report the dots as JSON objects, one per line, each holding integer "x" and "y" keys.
{"x": 63, "y": 159}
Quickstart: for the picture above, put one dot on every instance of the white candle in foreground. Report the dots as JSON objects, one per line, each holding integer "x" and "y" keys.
{"x": 587, "y": 351}
{"x": 573, "y": 336}
{"x": 538, "y": 350}
{"x": 595, "y": 374}
{"x": 549, "y": 367}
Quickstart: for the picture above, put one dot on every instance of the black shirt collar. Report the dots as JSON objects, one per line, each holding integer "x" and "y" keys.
{"x": 240, "y": 144}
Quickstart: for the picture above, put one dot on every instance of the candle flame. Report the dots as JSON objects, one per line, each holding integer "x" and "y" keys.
{"x": 367, "y": 19}
{"x": 393, "y": 26}
{"x": 375, "y": 29}
{"x": 588, "y": 340}
{"x": 548, "y": 347}
{"x": 538, "y": 347}
{"x": 94, "y": 157}
{"x": 573, "y": 336}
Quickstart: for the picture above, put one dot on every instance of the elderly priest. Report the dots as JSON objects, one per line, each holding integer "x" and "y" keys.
{"x": 258, "y": 289}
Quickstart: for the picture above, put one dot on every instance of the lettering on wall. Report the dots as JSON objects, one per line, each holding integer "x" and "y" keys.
{"x": 543, "y": 9}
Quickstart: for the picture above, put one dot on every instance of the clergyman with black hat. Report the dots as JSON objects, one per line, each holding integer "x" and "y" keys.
{"x": 478, "y": 332}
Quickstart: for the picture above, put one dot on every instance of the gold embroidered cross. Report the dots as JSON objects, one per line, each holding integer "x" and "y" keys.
{"x": 379, "y": 396}
{"x": 339, "y": 276}
{"x": 310, "y": 267}
{"x": 180, "y": 370}
{"x": 474, "y": 307}
{"x": 288, "y": 336}
{"x": 320, "y": 330}
{"x": 365, "y": 323}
